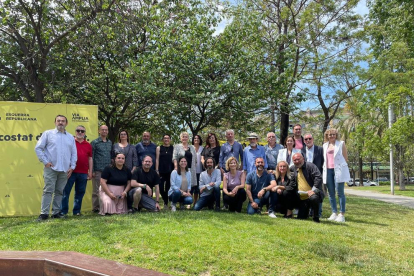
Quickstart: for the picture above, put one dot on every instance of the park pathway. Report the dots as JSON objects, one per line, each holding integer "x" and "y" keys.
{"x": 396, "y": 199}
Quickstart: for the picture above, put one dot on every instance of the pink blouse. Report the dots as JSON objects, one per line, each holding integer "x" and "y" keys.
{"x": 232, "y": 182}
{"x": 330, "y": 164}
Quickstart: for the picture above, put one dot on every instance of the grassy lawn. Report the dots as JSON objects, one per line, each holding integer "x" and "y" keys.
{"x": 376, "y": 240}
{"x": 386, "y": 189}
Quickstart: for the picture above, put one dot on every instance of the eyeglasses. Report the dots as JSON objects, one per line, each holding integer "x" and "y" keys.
{"x": 80, "y": 130}
{"x": 271, "y": 137}
{"x": 122, "y": 134}
{"x": 332, "y": 134}
{"x": 306, "y": 139}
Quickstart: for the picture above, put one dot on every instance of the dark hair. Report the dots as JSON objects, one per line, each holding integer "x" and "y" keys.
{"x": 145, "y": 156}
{"x": 199, "y": 138}
{"x": 287, "y": 139}
{"x": 208, "y": 141}
{"x": 119, "y": 135}
{"x": 178, "y": 164}
{"x": 169, "y": 136}
{"x": 205, "y": 162}
{"x": 297, "y": 125}
{"x": 114, "y": 164}
{"x": 61, "y": 116}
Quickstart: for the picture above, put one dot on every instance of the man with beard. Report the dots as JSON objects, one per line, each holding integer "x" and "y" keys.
{"x": 297, "y": 134}
{"x": 210, "y": 181}
{"x": 251, "y": 153}
{"x": 81, "y": 174}
{"x": 258, "y": 189}
{"x": 56, "y": 149}
{"x": 146, "y": 147}
{"x": 144, "y": 179}
{"x": 309, "y": 182}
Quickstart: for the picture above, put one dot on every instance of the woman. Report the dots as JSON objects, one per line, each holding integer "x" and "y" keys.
{"x": 212, "y": 149}
{"x": 180, "y": 185}
{"x": 123, "y": 146}
{"x": 335, "y": 172}
{"x": 289, "y": 150}
{"x": 164, "y": 166}
{"x": 197, "y": 143}
{"x": 286, "y": 188}
{"x": 188, "y": 151}
{"x": 115, "y": 184}
{"x": 233, "y": 186}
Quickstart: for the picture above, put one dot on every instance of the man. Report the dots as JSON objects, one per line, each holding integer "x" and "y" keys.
{"x": 252, "y": 152}
{"x": 101, "y": 156}
{"x": 309, "y": 181}
{"x": 146, "y": 147}
{"x": 314, "y": 154}
{"x": 229, "y": 149}
{"x": 56, "y": 149}
{"x": 144, "y": 180}
{"x": 210, "y": 181}
{"x": 272, "y": 150}
{"x": 297, "y": 134}
{"x": 81, "y": 174}
{"x": 258, "y": 189}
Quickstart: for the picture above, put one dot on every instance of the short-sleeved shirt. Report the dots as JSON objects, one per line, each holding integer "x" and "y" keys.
{"x": 211, "y": 152}
{"x": 84, "y": 151}
{"x": 232, "y": 182}
{"x": 115, "y": 176}
{"x": 150, "y": 178}
{"x": 258, "y": 183}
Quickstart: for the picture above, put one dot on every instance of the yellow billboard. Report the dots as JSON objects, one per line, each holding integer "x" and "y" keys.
{"x": 21, "y": 173}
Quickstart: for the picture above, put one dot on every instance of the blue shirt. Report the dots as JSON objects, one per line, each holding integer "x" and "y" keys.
{"x": 143, "y": 150}
{"x": 227, "y": 151}
{"x": 258, "y": 183}
{"x": 271, "y": 155}
{"x": 58, "y": 148}
{"x": 176, "y": 180}
{"x": 206, "y": 179}
{"x": 249, "y": 158}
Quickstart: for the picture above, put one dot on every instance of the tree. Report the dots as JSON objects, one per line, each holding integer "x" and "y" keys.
{"x": 30, "y": 37}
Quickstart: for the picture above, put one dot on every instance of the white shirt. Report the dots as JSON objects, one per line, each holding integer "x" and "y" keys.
{"x": 309, "y": 154}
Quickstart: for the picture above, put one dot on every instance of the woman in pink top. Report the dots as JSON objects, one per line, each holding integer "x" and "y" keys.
{"x": 335, "y": 172}
{"x": 233, "y": 186}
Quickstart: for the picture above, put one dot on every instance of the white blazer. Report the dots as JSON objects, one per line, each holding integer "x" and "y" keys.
{"x": 282, "y": 155}
{"x": 341, "y": 167}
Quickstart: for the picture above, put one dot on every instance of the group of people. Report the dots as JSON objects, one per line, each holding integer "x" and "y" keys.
{"x": 125, "y": 177}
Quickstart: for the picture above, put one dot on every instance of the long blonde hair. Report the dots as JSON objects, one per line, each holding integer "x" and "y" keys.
{"x": 277, "y": 172}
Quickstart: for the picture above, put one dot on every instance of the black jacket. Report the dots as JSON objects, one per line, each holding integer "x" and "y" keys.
{"x": 317, "y": 156}
{"x": 312, "y": 176}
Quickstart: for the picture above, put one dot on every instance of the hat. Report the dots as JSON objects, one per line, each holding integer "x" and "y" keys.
{"x": 253, "y": 135}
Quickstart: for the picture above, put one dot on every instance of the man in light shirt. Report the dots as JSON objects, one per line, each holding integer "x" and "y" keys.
{"x": 210, "y": 181}
{"x": 56, "y": 149}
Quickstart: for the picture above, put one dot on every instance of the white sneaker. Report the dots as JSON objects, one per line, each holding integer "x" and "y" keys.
{"x": 272, "y": 215}
{"x": 333, "y": 217}
{"x": 295, "y": 212}
{"x": 173, "y": 208}
{"x": 340, "y": 218}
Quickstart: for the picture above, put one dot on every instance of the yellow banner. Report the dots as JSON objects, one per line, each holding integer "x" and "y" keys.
{"x": 21, "y": 172}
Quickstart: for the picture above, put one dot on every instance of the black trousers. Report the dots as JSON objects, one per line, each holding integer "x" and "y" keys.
{"x": 165, "y": 186}
{"x": 305, "y": 205}
{"x": 288, "y": 200}
{"x": 235, "y": 203}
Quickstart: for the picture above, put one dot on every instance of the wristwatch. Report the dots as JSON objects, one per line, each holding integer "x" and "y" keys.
{"x": 264, "y": 189}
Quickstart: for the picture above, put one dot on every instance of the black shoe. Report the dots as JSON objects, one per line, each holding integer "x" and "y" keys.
{"x": 316, "y": 219}
{"x": 59, "y": 216}
{"x": 288, "y": 217}
{"x": 95, "y": 211}
{"x": 42, "y": 217}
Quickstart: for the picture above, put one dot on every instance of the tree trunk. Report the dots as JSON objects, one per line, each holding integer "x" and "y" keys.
{"x": 284, "y": 123}
{"x": 360, "y": 171}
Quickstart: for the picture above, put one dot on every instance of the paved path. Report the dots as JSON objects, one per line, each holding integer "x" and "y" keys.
{"x": 396, "y": 199}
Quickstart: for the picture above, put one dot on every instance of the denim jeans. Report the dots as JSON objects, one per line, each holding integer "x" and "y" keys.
{"x": 209, "y": 200}
{"x": 177, "y": 197}
{"x": 263, "y": 201}
{"x": 339, "y": 187}
{"x": 80, "y": 180}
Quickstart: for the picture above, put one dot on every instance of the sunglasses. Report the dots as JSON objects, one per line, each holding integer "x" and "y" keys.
{"x": 80, "y": 130}
{"x": 306, "y": 139}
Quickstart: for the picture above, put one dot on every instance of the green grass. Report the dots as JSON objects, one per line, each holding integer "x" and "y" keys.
{"x": 376, "y": 240}
{"x": 386, "y": 189}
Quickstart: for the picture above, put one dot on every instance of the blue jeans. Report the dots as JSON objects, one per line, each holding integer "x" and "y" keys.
{"x": 339, "y": 187}
{"x": 176, "y": 197}
{"x": 263, "y": 201}
{"x": 209, "y": 199}
{"x": 80, "y": 180}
